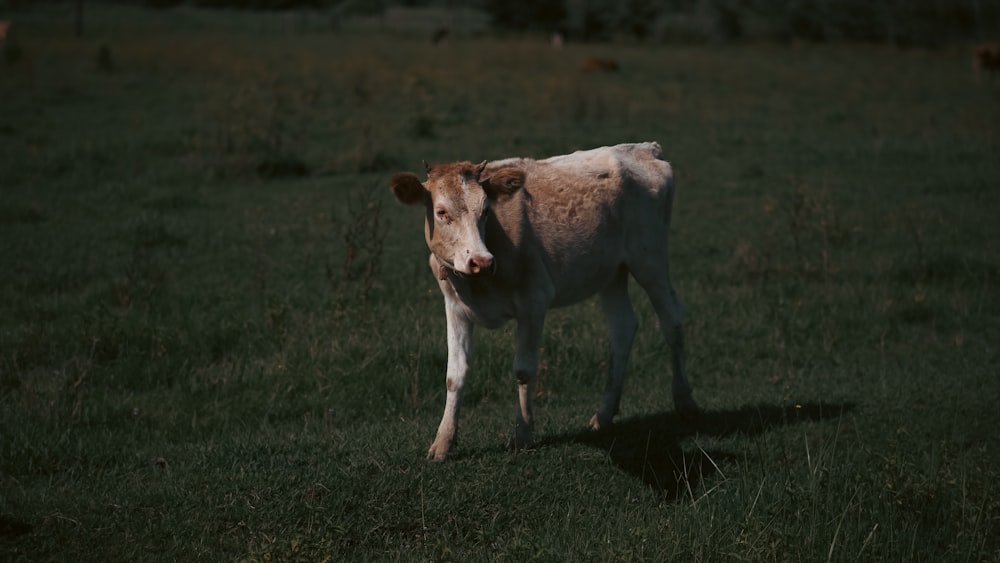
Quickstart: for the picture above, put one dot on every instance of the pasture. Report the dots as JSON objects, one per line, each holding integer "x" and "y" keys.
{"x": 220, "y": 339}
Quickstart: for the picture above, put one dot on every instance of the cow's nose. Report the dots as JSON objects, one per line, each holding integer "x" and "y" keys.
{"x": 480, "y": 264}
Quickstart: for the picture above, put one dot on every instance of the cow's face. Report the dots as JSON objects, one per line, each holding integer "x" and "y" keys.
{"x": 457, "y": 198}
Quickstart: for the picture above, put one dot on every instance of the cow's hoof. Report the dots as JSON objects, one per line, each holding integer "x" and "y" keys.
{"x": 520, "y": 445}
{"x": 686, "y": 408}
{"x": 437, "y": 452}
{"x": 596, "y": 425}
{"x": 520, "y": 441}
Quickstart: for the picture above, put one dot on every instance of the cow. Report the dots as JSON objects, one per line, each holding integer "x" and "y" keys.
{"x": 513, "y": 238}
{"x": 599, "y": 64}
{"x": 986, "y": 57}
{"x": 557, "y": 40}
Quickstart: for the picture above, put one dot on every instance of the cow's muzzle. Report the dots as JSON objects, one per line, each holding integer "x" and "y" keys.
{"x": 476, "y": 266}
{"x": 481, "y": 265}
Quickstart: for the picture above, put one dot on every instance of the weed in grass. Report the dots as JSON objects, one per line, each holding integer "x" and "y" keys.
{"x": 811, "y": 223}
{"x": 282, "y": 166}
{"x": 423, "y": 126}
{"x": 362, "y": 90}
{"x": 14, "y": 215}
{"x": 13, "y": 52}
{"x": 365, "y": 156}
{"x": 815, "y": 230}
{"x": 105, "y": 61}
{"x": 751, "y": 263}
{"x": 363, "y": 233}
{"x": 254, "y": 130}
{"x": 144, "y": 274}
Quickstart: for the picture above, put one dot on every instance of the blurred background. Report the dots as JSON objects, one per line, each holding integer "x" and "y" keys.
{"x": 893, "y": 22}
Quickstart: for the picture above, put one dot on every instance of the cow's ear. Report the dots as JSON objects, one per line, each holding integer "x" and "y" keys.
{"x": 407, "y": 188}
{"x": 503, "y": 182}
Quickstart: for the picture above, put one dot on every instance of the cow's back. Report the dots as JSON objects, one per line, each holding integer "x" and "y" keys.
{"x": 581, "y": 214}
{"x": 596, "y": 193}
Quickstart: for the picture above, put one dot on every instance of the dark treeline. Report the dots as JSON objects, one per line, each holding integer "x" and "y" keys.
{"x": 897, "y": 22}
{"x": 923, "y": 22}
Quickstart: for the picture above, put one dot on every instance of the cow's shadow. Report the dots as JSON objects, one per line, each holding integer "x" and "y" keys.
{"x": 650, "y": 447}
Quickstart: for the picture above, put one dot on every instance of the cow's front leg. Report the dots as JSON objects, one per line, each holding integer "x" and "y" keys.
{"x": 529, "y": 338}
{"x": 459, "y": 352}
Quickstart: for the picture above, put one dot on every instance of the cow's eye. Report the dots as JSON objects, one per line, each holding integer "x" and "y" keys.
{"x": 441, "y": 213}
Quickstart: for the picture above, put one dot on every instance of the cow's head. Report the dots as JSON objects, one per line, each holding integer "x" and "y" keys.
{"x": 457, "y": 198}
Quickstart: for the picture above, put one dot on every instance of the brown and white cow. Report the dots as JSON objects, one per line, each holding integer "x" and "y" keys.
{"x": 510, "y": 239}
{"x": 599, "y": 64}
{"x": 986, "y": 57}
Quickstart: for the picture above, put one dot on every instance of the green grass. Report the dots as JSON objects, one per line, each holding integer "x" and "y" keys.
{"x": 191, "y": 368}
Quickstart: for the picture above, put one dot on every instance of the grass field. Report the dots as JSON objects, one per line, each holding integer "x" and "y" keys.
{"x": 219, "y": 339}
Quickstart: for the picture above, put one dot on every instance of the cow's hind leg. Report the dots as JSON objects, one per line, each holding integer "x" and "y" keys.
{"x": 655, "y": 279}
{"x": 622, "y": 325}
